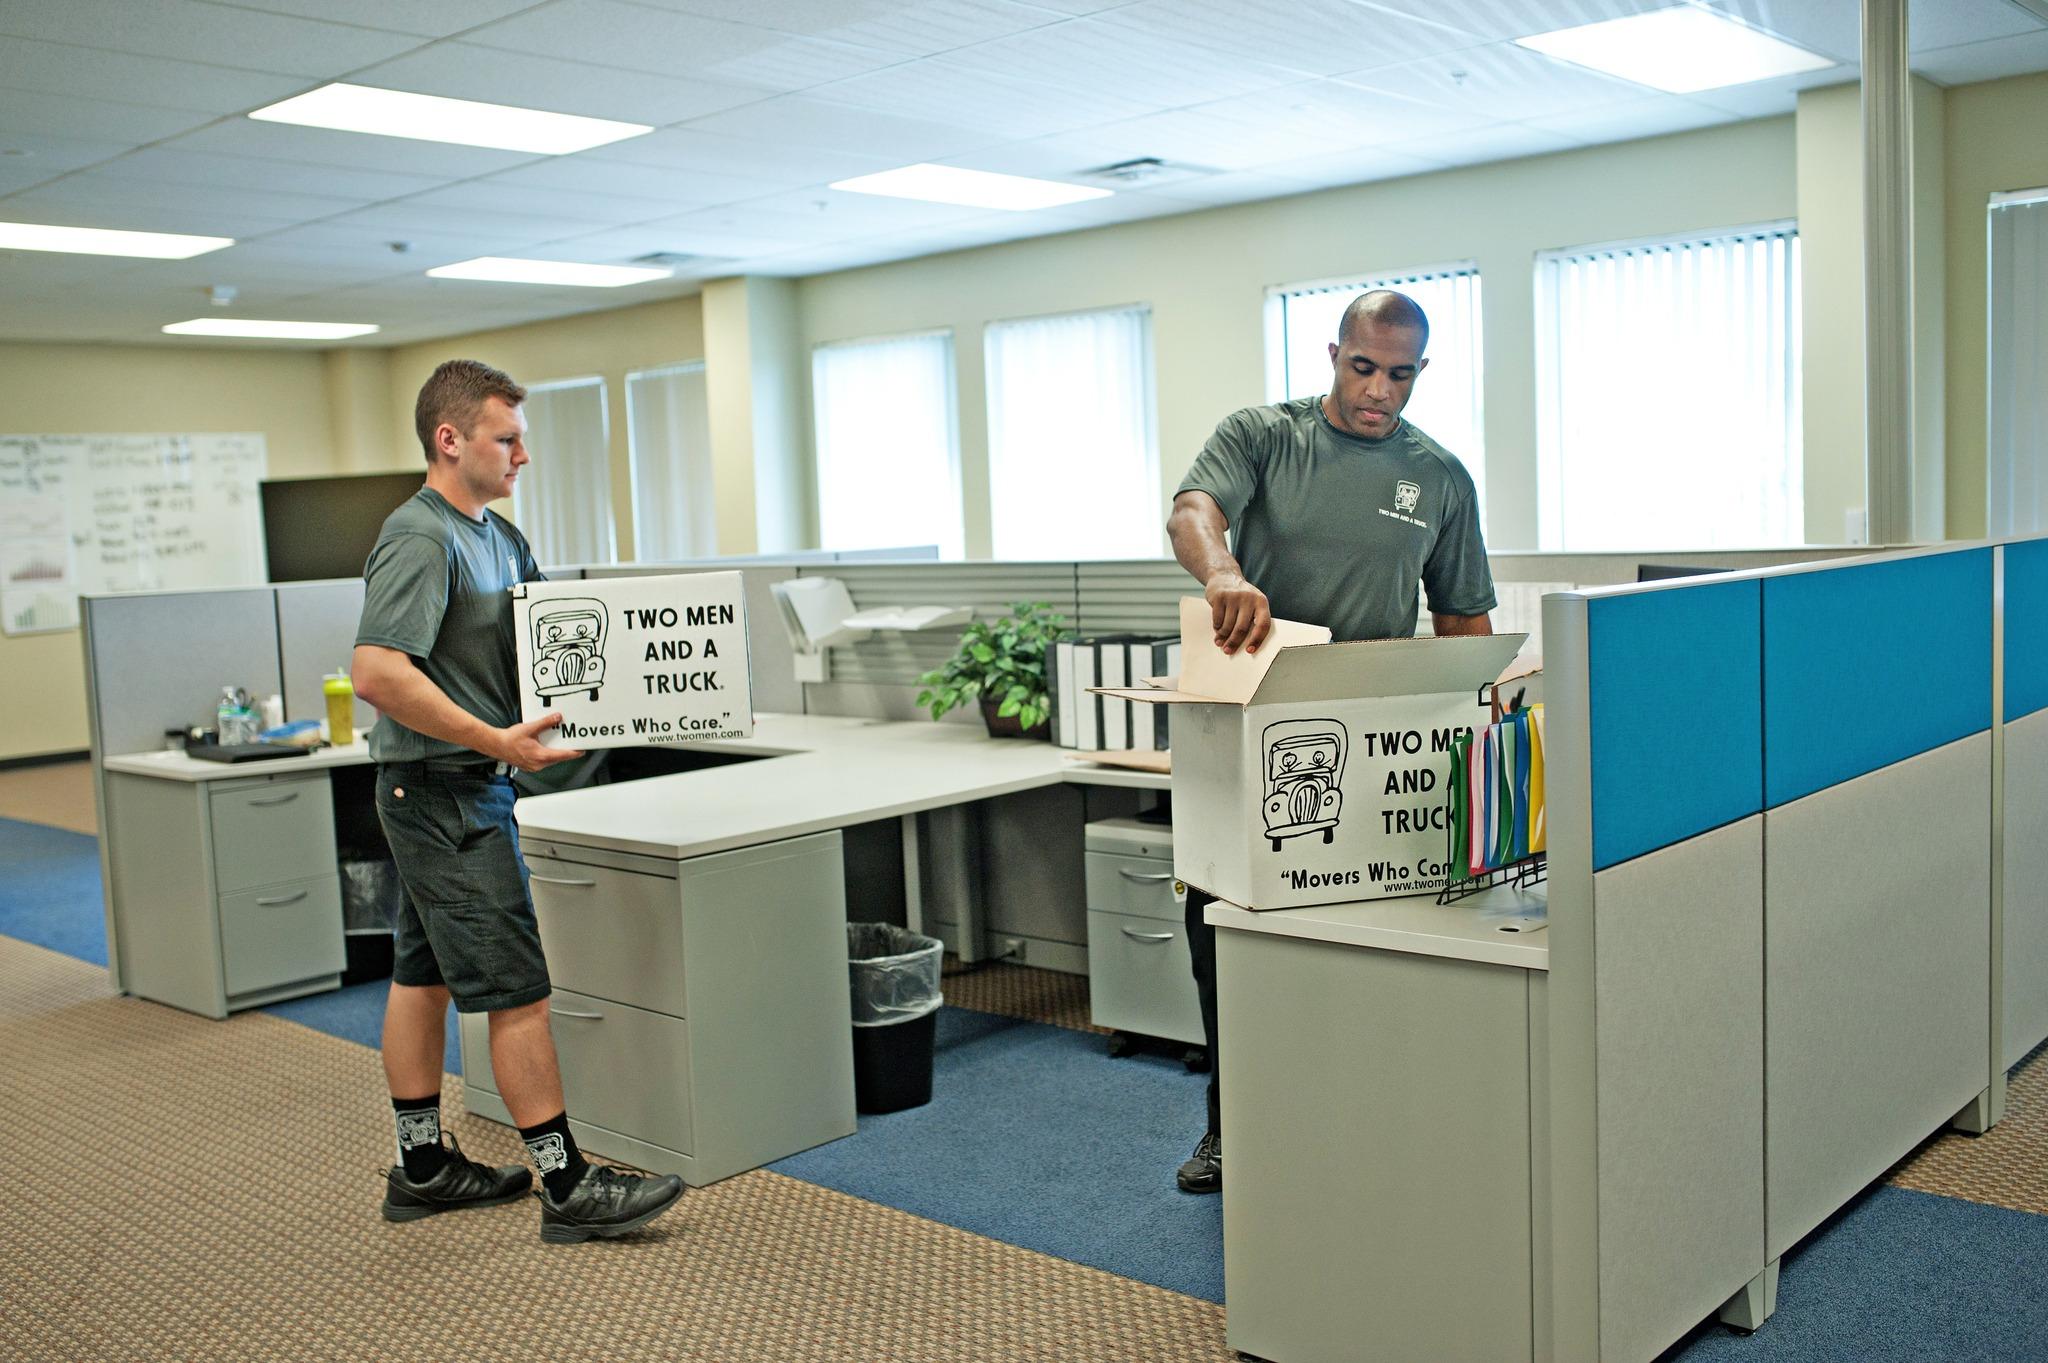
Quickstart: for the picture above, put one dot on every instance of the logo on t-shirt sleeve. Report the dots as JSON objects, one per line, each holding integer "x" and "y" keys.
{"x": 1407, "y": 496}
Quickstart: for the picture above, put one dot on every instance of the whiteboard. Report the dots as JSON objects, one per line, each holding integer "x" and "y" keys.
{"x": 116, "y": 513}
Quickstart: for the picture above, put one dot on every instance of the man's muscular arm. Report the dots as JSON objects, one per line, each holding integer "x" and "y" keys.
{"x": 389, "y": 680}
{"x": 1460, "y": 624}
{"x": 1238, "y": 610}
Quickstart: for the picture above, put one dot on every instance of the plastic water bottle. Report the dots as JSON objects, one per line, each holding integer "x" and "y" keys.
{"x": 341, "y": 706}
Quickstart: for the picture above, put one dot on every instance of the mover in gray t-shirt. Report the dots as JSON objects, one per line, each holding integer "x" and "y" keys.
{"x": 434, "y": 654}
{"x": 1337, "y": 509}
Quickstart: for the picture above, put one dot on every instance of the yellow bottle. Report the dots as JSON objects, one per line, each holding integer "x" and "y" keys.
{"x": 341, "y": 707}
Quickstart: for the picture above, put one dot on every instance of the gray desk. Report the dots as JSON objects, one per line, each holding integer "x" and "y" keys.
{"x": 1381, "y": 1119}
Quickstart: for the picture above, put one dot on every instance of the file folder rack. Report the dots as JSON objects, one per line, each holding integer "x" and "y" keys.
{"x": 1530, "y": 870}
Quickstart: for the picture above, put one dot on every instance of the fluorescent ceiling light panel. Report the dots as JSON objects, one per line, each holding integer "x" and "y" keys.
{"x": 95, "y": 241}
{"x": 969, "y": 188}
{"x": 507, "y": 270}
{"x": 272, "y": 331}
{"x": 1679, "y": 51}
{"x": 432, "y": 118}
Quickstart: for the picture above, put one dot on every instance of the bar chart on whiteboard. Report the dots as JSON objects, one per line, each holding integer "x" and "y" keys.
{"x": 108, "y": 513}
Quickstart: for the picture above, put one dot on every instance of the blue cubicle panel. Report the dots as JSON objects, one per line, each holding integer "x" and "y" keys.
{"x": 1869, "y": 665}
{"x": 2026, "y": 628}
{"x": 1676, "y": 715}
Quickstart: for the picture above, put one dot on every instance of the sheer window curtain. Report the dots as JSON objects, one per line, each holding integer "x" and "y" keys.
{"x": 1449, "y": 398}
{"x": 563, "y": 499}
{"x": 888, "y": 444}
{"x": 1073, "y": 455}
{"x": 1668, "y": 394}
{"x": 668, "y": 437}
{"x": 2016, "y": 427}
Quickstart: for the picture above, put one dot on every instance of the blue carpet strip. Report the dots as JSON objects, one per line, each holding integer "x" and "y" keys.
{"x": 1037, "y": 1138}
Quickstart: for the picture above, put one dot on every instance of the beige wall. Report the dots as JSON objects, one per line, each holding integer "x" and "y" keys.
{"x": 604, "y": 345}
{"x": 1997, "y": 139}
{"x": 77, "y": 390}
{"x": 1205, "y": 276}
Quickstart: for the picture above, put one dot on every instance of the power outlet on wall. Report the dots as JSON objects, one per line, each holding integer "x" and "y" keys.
{"x": 1010, "y": 949}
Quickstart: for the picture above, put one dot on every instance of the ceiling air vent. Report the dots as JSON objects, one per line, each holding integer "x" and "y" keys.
{"x": 673, "y": 260}
{"x": 1131, "y": 172}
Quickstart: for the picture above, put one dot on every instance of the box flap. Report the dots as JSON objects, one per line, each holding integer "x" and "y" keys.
{"x": 1146, "y": 695}
{"x": 1207, "y": 671}
{"x": 1387, "y": 667}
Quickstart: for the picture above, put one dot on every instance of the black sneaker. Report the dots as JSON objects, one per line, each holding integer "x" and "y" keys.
{"x": 459, "y": 1184}
{"x": 1203, "y": 1172}
{"x": 605, "y": 1203}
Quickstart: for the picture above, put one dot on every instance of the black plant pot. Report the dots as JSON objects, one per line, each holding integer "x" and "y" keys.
{"x": 1007, "y": 726}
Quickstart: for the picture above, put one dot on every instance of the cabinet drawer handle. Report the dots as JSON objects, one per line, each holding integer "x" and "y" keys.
{"x": 557, "y": 880}
{"x": 565, "y": 1013}
{"x": 1148, "y": 936}
{"x": 282, "y": 899}
{"x": 1145, "y": 877}
{"x": 283, "y": 799}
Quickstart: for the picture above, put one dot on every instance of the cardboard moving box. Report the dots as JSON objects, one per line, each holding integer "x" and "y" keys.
{"x": 1314, "y": 772}
{"x": 633, "y": 661}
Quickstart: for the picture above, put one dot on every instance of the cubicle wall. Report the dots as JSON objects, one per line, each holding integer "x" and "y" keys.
{"x": 2023, "y": 714}
{"x": 1771, "y": 917}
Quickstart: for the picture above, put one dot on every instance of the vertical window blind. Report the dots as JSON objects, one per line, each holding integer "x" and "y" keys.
{"x": 2016, "y": 423}
{"x": 1449, "y": 398}
{"x": 1668, "y": 394}
{"x": 1073, "y": 454}
{"x": 563, "y": 499}
{"x": 888, "y": 444}
{"x": 668, "y": 442}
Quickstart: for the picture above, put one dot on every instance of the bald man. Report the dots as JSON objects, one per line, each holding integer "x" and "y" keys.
{"x": 1336, "y": 510}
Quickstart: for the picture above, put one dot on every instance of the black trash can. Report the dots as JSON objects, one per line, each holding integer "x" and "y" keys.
{"x": 893, "y": 975}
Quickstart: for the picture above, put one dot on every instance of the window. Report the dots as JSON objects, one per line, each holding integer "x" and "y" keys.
{"x": 2017, "y": 448}
{"x": 563, "y": 500}
{"x": 668, "y": 441}
{"x": 1448, "y": 400}
{"x": 1667, "y": 394}
{"x": 888, "y": 445}
{"x": 1073, "y": 458}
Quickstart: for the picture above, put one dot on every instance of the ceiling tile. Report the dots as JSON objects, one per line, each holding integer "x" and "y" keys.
{"x": 441, "y": 19}
{"x": 802, "y": 121}
{"x": 847, "y": 215}
{"x": 674, "y": 186}
{"x": 49, "y": 204}
{"x": 1501, "y": 142}
{"x": 357, "y": 240}
{"x": 193, "y": 30}
{"x": 102, "y": 195}
{"x": 43, "y": 156}
{"x": 1316, "y": 37}
{"x": 2023, "y": 55}
{"x": 325, "y": 147}
{"x": 740, "y": 157}
{"x": 1834, "y": 27}
{"x": 1231, "y": 187}
{"x": 23, "y": 111}
{"x": 939, "y": 90}
{"x": 1299, "y": 120}
{"x": 178, "y": 166}
{"x": 1498, "y": 81}
{"x": 1493, "y": 20}
{"x": 1089, "y": 55}
{"x": 265, "y": 266}
{"x": 495, "y": 196}
{"x": 499, "y": 232}
{"x": 1352, "y": 166}
{"x": 89, "y": 73}
{"x": 1651, "y": 117}
{"x": 698, "y": 233}
{"x": 464, "y": 71}
{"x": 921, "y": 30}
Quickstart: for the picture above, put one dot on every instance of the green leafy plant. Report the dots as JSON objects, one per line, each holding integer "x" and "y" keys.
{"x": 999, "y": 662}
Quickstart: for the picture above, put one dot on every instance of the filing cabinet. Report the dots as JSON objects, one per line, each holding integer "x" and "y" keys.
{"x": 230, "y": 894}
{"x": 1139, "y": 978}
{"x": 700, "y": 1005}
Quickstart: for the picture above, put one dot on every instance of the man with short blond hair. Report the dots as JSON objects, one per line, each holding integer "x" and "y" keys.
{"x": 434, "y": 654}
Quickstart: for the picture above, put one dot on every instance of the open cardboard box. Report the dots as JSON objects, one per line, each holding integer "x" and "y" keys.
{"x": 1314, "y": 772}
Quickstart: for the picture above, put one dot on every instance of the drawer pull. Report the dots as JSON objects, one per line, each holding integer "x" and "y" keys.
{"x": 1145, "y": 877}
{"x": 557, "y": 880}
{"x": 565, "y": 1013}
{"x": 282, "y": 900}
{"x": 283, "y": 799}
{"x": 1148, "y": 936}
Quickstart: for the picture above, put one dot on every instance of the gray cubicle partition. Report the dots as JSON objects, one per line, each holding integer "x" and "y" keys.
{"x": 1771, "y": 919}
{"x": 2022, "y": 883}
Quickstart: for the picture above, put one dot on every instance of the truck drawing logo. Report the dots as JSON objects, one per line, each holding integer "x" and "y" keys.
{"x": 568, "y": 647}
{"x": 1304, "y": 773}
{"x": 1406, "y": 495}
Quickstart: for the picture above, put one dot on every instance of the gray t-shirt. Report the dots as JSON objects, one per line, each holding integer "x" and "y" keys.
{"x": 438, "y": 586}
{"x": 1338, "y": 531}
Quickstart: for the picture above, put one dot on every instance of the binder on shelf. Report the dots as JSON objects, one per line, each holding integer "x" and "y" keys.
{"x": 1113, "y": 668}
{"x": 1087, "y": 705}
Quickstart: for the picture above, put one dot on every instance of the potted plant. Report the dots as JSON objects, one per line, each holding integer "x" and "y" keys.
{"x": 1000, "y": 664}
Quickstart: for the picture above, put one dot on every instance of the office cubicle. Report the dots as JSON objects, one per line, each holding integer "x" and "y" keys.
{"x": 1777, "y": 900}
